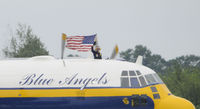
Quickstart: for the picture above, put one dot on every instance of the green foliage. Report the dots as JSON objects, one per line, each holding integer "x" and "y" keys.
{"x": 25, "y": 44}
{"x": 181, "y": 75}
{"x": 153, "y": 61}
{"x": 186, "y": 61}
{"x": 128, "y": 55}
{"x": 131, "y": 55}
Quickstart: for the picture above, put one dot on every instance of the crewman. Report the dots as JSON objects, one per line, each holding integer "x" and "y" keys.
{"x": 96, "y": 52}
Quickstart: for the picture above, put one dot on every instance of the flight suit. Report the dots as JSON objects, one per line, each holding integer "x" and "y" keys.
{"x": 96, "y": 53}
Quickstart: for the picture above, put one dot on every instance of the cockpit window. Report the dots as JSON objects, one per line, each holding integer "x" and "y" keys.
{"x": 124, "y": 82}
{"x": 124, "y": 73}
{"x": 132, "y": 73}
{"x": 129, "y": 79}
{"x": 158, "y": 78}
{"x": 124, "y": 79}
{"x": 142, "y": 81}
{"x": 150, "y": 79}
{"x": 138, "y": 72}
{"x": 134, "y": 82}
{"x": 136, "y": 79}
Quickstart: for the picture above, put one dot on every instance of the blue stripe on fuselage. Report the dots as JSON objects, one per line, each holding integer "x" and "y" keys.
{"x": 70, "y": 103}
{"x": 36, "y": 88}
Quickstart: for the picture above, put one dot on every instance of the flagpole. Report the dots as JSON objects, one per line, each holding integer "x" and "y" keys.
{"x": 97, "y": 44}
{"x": 64, "y": 37}
{"x": 115, "y": 52}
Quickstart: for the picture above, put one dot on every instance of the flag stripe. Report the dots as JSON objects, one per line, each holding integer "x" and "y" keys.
{"x": 75, "y": 40}
{"x": 79, "y": 46}
{"x": 75, "y": 43}
{"x": 83, "y": 50}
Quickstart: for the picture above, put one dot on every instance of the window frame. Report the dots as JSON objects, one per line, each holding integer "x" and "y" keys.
{"x": 122, "y": 82}
{"x": 132, "y": 76}
{"x": 144, "y": 81}
{"x": 137, "y": 80}
{"x": 159, "y": 80}
{"x": 126, "y": 76}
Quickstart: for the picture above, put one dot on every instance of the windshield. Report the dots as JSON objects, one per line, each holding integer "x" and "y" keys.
{"x": 136, "y": 79}
{"x": 153, "y": 79}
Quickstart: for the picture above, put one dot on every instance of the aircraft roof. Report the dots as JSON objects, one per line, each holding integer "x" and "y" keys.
{"x": 49, "y": 60}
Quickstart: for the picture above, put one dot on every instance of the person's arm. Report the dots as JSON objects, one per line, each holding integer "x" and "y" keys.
{"x": 94, "y": 43}
{"x": 100, "y": 56}
{"x": 92, "y": 48}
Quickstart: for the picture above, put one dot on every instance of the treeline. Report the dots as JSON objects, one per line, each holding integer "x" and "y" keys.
{"x": 181, "y": 75}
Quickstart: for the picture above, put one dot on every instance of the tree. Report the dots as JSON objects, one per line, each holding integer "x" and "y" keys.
{"x": 25, "y": 44}
{"x": 153, "y": 61}
{"x": 128, "y": 55}
{"x": 131, "y": 54}
{"x": 186, "y": 61}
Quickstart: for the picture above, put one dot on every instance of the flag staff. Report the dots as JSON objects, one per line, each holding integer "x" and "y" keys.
{"x": 64, "y": 37}
{"x": 115, "y": 52}
{"x": 96, "y": 40}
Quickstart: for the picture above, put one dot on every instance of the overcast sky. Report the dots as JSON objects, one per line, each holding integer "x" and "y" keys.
{"x": 170, "y": 28}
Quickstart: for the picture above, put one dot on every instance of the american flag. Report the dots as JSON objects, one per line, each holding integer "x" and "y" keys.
{"x": 80, "y": 43}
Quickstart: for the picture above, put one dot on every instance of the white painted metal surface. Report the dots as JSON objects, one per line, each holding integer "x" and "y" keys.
{"x": 48, "y": 72}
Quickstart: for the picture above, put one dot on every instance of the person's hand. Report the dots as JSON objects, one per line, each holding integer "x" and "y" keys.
{"x": 94, "y": 43}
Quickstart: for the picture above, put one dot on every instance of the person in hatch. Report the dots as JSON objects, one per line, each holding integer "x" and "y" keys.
{"x": 96, "y": 52}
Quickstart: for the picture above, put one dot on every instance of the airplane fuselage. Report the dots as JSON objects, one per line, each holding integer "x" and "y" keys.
{"x": 44, "y": 82}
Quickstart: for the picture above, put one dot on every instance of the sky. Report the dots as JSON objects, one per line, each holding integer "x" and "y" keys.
{"x": 170, "y": 28}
